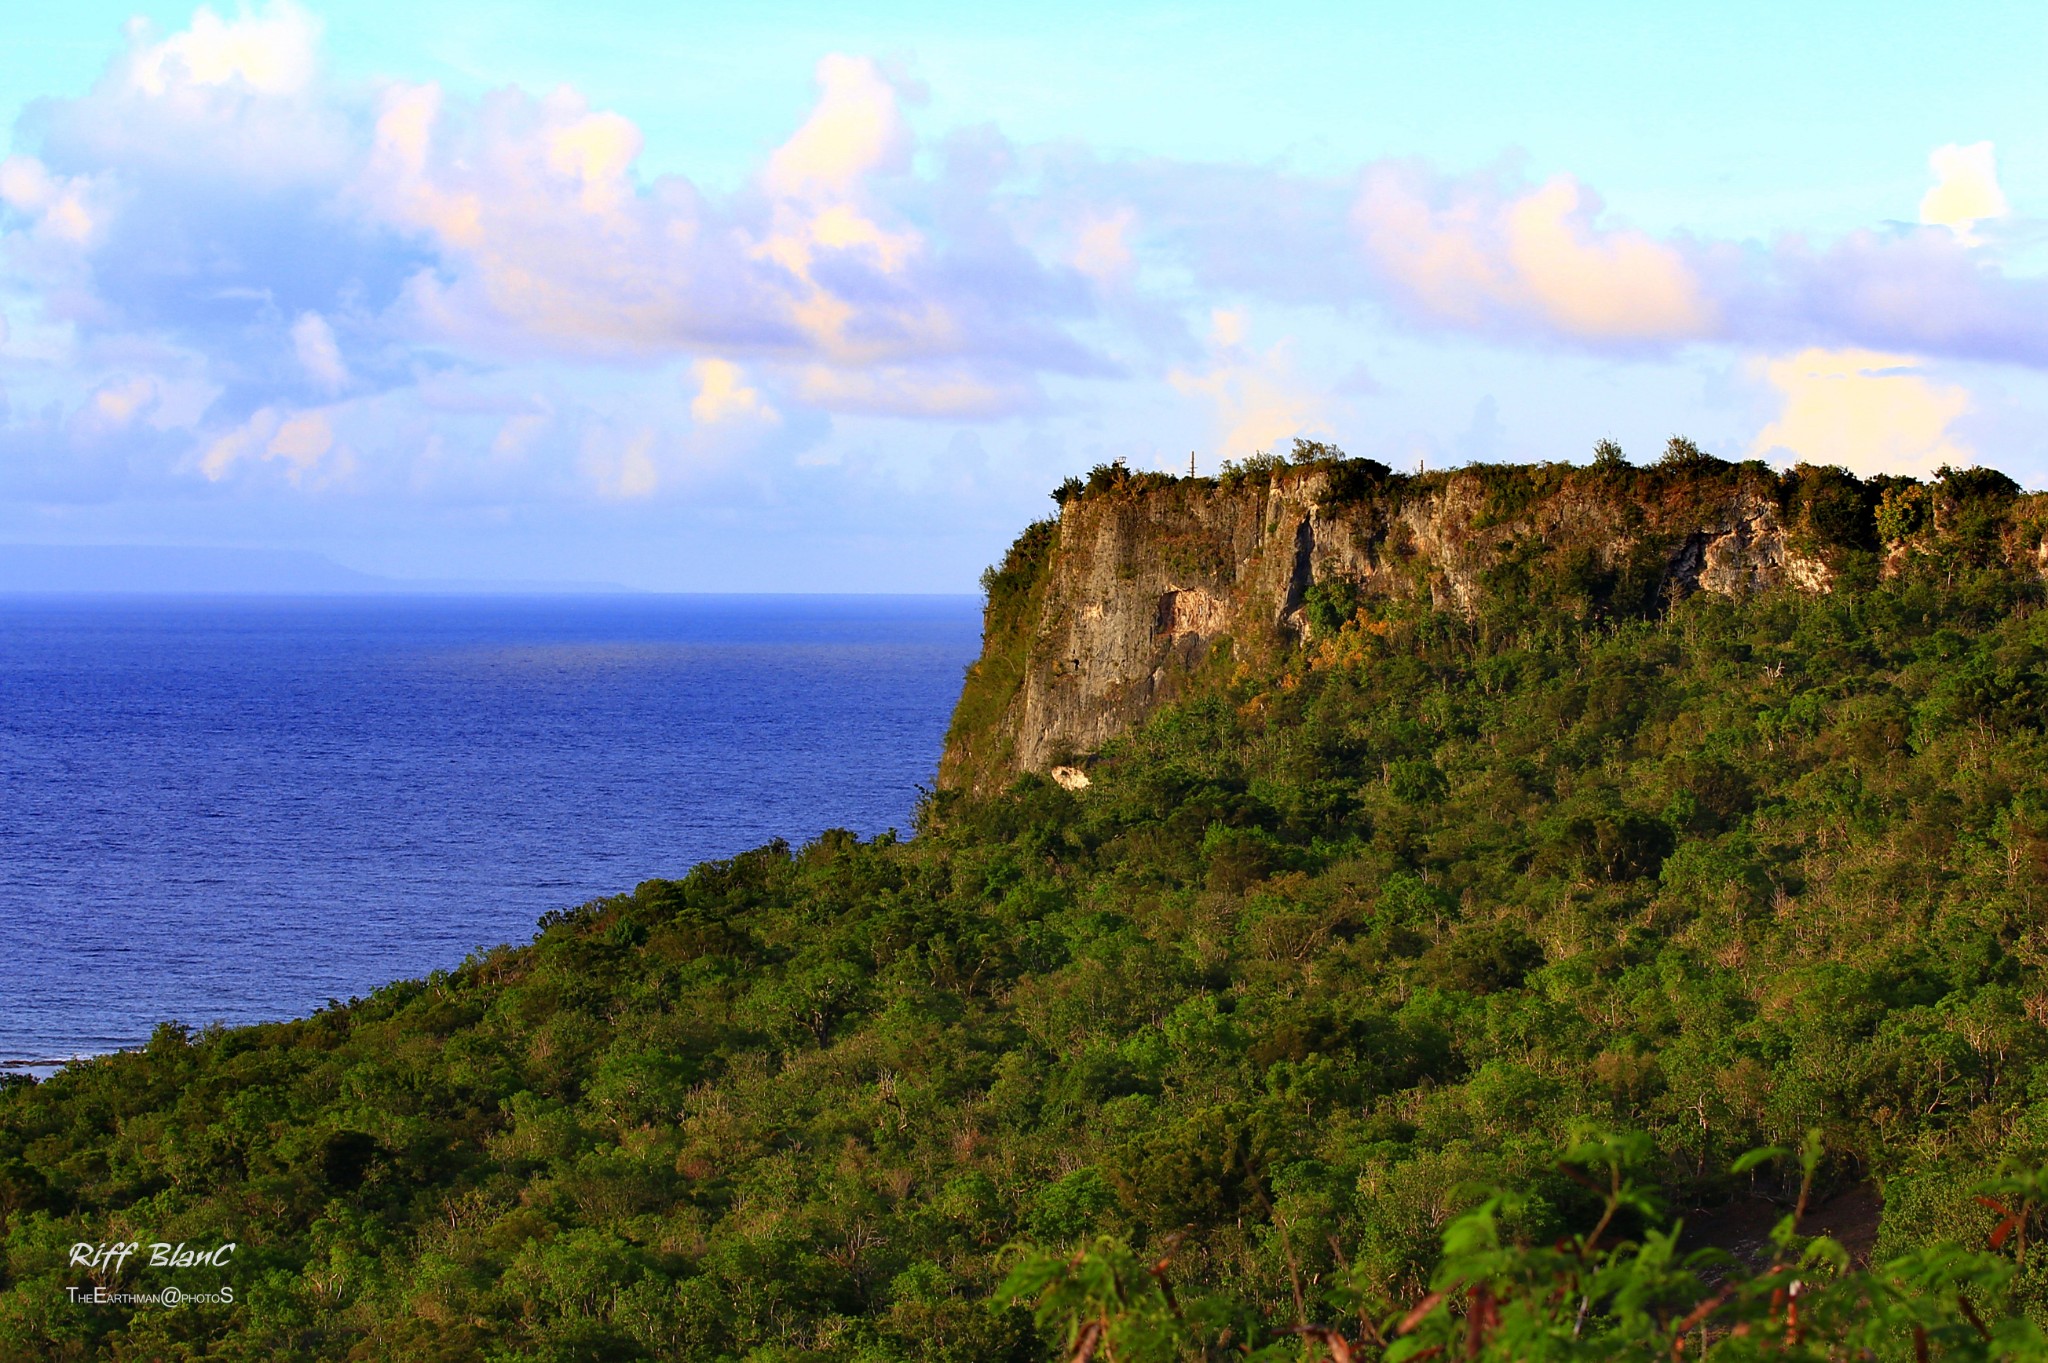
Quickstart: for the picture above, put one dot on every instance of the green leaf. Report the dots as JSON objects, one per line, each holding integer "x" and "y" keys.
{"x": 1750, "y": 1159}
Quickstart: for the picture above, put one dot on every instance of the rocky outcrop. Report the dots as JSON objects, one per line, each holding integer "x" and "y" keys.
{"x": 1146, "y": 588}
{"x": 1747, "y": 553}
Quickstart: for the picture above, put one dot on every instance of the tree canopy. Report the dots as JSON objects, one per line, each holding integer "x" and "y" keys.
{"x": 1338, "y": 1011}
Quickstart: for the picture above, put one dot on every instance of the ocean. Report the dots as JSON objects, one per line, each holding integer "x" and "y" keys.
{"x": 237, "y": 809}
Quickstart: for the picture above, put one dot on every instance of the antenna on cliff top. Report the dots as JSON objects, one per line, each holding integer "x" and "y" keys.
{"x": 1191, "y": 463}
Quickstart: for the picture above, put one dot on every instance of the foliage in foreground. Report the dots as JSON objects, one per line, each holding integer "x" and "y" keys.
{"x": 1589, "y": 1296}
{"x": 1318, "y": 952}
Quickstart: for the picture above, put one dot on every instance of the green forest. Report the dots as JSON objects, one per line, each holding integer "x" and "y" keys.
{"x": 1539, "y": 981}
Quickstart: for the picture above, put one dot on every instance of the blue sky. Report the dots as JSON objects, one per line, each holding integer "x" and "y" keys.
{"x": 794, "y": 297}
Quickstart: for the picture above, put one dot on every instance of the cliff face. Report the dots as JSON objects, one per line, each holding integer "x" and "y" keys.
{"x": 1149, "y": 584}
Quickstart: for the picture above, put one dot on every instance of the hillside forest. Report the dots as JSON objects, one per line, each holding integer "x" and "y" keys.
{"x": 1590, "y": 973}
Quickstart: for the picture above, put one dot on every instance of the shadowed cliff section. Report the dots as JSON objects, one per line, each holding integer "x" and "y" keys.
{"x": 1147, "y": 585}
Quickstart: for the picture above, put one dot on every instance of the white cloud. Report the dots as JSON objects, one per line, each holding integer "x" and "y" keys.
{"x": 1256, "y": 398}
{"x": 238, "y": 444}
{"x": 919, "y": 391}
{"x": 546, "y": 239}
{"x": 120, "y": 401}
{"x": 1470, "y": 255}
{"x": 1965, "y": 189}
{"x": 1615, "y": 285}
{"x": 823, "y": 228}
{"x": 217, "y": 180}
{"x": 1102, "y": 248}
{"x": 1918, "y": 292}
{"x": 313, "y": 342}
{"x": 272, "y": 52}
{"x": 519, "y": 434}
{"x": 57, "y": 205}
{"x": 621, "y": 467}
{"x": 225, "y": 105}
{"x": 543, "y": 241}
{"x": 1867, "y": 411}
{"x": 597, "y": 152}
{"x": 723, "y": 395}
{"x": 855, "y": 131}
{"x": 133, "y": 402}
{"x": 302, "y": 441}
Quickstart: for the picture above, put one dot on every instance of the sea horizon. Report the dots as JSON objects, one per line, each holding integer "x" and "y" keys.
{"x": 205, "y": 784}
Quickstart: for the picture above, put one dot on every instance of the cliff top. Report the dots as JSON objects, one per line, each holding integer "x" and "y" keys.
{"x": 1147, "y": 581}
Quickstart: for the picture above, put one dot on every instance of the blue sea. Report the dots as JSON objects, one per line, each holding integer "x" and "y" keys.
{"x": 236, "y": 809}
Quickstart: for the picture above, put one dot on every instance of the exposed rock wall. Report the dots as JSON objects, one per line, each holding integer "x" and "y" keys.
{"x": 1144, "y": 589}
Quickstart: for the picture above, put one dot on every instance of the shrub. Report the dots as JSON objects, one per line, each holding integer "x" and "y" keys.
{"x": 1329, "y": 606}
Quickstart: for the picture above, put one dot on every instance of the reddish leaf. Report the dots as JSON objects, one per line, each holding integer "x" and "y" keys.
{"x": 1339, "y": 1347}
{"x": 1480, "y": 1317}
{"x": 1703, "y": 1310}
{"x": 1420, "y": 1312}
{"x": 1580, "y": 1179}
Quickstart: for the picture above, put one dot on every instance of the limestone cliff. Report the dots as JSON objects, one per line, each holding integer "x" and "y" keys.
{"x": 1146, "y": 583}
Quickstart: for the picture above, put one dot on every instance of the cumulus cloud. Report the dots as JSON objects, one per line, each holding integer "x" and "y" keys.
{"x": 1256, "y": 400}
{"x": 596, "y": 151}
{"x": 538, "y": 237}
{"x": 313, "y": 342}
{"x": 922, "y": 392}
{"x": 518, "y": 434}
{"x": 723, "y": 395}
{"x": 302, "y": 442}
{"x": 824, "y": 222}
{"x": 1102, "y": 248}
{"x": 216, "y": 194}
{"x": 272, "y": 51}
{"x": 222, "y": 244}
{"x": 855, "y": 130}
{"x": 1502, "y": 257}
{"x": 1965, "y": 189}
{"x": 1866, "y": 411}
{"x": 621, "y": 464}
{"x": 119, "y": 402}
{"x": 544, "y": 238}
{"x": 56, "y": 205}
{"x": 1466, "y": 253}
{"x": 225, "y": 100}
{"x": 245, "y": 440}
{"x": 1920, "y": 290}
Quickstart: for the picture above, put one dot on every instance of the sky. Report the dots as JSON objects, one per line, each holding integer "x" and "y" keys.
{"x": 807, "y": 297}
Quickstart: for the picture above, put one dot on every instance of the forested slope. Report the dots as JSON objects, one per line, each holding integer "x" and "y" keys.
{"x": 1353, "y": 930}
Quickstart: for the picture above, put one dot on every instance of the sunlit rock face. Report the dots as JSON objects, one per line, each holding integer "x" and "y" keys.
{"x": 1747, "y": 553}
{"x": 1151, "y": 586}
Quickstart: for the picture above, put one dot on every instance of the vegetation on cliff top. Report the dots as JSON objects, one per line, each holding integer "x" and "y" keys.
{"x": 1321, "y": 956}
